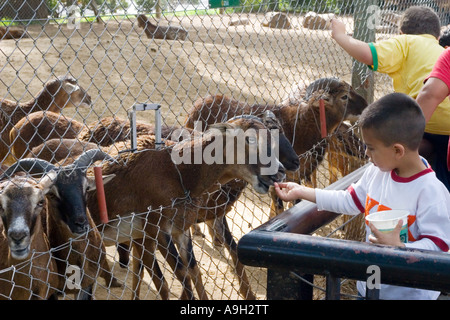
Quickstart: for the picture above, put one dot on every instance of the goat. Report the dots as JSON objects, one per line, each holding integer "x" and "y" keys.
{"x": 180, "y": 181}
{"x": 109, "y": 130}
{"x": 160, "y": 32}
{"x": 56, "y": 95}
{"x": 68, "y": 218}
{"x": 299, "y": 121}
{"x": 22, "y": 237}
{"x": 62, "y": 151}
{"x": 40, "y": 126}
{"x": 12, "y": 33}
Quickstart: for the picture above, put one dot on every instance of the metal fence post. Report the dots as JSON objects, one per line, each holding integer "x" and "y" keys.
{"x": 364, "y": 30}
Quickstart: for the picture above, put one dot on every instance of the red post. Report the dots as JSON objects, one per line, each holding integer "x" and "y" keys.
{"x": 323, "y": 119}
{"x": 101, "y": 194}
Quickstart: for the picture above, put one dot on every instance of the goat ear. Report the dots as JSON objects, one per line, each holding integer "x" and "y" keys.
{"x": 69, "y": 87}
{"x": 91, "y": 181}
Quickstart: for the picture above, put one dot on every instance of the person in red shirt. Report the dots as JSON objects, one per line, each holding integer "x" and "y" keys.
{"x": 435, "y": 90}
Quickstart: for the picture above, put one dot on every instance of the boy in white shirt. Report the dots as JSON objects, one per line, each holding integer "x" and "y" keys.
{"x": 398, "y": 178}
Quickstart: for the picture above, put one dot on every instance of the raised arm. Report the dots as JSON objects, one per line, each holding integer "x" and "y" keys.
{"x": 358, "y": 49}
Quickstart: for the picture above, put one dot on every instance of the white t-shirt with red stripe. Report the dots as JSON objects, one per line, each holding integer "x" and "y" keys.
{"x": 423, "y": 195}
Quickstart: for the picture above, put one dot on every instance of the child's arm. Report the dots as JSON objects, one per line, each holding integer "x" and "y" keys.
{"x": 290, "y": 191}
{"x": 431, "y": 95}
{"x": 356, "y": 48}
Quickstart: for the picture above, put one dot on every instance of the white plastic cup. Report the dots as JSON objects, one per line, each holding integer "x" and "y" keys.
{"x": 386, "y": 221}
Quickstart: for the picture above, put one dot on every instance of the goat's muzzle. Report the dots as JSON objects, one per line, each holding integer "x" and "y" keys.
{"x": 19, "y": 242}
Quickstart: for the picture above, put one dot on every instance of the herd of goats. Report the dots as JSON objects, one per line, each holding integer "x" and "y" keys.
{"x": 48, "y": 195}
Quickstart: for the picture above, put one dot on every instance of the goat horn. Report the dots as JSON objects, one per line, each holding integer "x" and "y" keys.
{"x": 89, "y": 157}
{"x": 30, "y": 165}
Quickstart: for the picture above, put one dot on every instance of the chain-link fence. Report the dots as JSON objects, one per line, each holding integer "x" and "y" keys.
{"x": 74, "y": 70}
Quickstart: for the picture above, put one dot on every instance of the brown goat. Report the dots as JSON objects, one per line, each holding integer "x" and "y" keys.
{"x": 56, "y": 95}
{"x": 37, "y": 127}
{"x": 62, "y": 151}
{"x": 160, "y": 32}
{"x": 300, "y": 121}
{"x": 23, "y": 199}
{"x": 12, "y": 33}
{"x": 180, "y": 180}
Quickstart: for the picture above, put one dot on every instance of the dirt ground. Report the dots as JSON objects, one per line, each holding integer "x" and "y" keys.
{"x": 120, "y": 67}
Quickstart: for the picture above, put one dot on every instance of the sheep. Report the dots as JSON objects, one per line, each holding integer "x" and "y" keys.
{"x": 56, "y": 95}
{"x": 160, "y": 32}
{"x": 182, "y": 180}
{"x": 22, "y": 237}
{"x": 299, "y": 121}
{"x": 68, "y": 218}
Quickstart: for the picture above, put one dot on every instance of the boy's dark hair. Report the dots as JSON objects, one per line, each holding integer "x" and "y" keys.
{"x": 420, "y": 20}
{"x": 444, "y": 40}
{"x": 395, "y": 118}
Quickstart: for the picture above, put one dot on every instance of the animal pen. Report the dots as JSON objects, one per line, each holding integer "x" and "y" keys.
{"x": 114, "y": 73}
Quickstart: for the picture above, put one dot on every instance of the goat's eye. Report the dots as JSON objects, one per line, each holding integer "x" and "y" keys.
{"x": 344, "y": 97}
{"x": 41, "y": 203}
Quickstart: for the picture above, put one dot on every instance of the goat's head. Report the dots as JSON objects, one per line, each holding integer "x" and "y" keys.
{"x": 65, "y": 92}
{"x": 21, "y": 202}
{"x": 288, "y": 157}
{"x": 143, "y": 21}
{"x": 253, "y": 151}
{"x": 68, "y": 194}
{"x": 340, "y": 95}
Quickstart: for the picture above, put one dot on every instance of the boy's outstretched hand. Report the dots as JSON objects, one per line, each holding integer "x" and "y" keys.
{"x": 290, "y": 191}
{"x": 389, "y": 238}
{"x": 286, "y": 191}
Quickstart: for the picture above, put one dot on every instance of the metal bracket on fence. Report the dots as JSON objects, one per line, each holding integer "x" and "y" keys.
{"x": 132, "y": 118}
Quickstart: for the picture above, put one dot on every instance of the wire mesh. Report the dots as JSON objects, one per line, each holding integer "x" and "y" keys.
{"x": 73, "y": 70}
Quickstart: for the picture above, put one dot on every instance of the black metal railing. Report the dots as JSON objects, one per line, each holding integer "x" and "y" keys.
{"x": 283, "y": 245}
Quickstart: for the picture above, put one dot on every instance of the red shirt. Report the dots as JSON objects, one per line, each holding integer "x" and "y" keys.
{"x": 441, "y": 69}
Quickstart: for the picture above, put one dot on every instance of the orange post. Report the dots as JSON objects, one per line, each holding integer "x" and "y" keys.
{"x": 101, "y": 195}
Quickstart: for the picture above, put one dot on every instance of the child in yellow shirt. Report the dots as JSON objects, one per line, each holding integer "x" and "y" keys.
{"x": 408, "y": 59}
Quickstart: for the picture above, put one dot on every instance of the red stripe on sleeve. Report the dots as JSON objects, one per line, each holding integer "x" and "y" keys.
{"x": 437, "y": 241}
{"x": 355, "y": 199}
